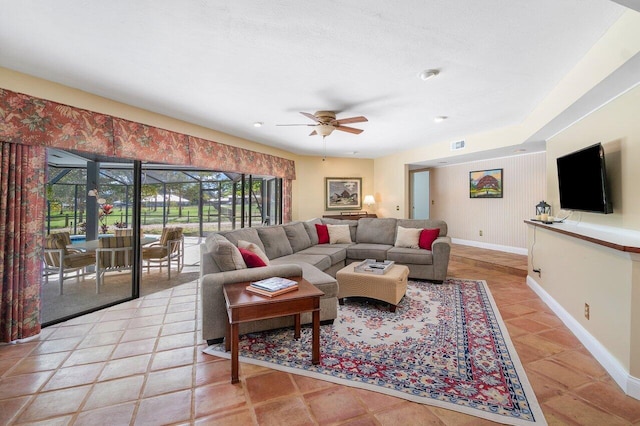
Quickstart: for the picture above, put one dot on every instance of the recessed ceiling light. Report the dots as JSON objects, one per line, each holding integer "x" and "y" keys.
{"x": 258, "y": 124}
{"x": 439, "y": 119}
{"x": 427, "y": 74}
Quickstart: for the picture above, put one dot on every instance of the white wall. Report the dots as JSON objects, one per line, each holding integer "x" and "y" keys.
{"x": 575, "y": 272}
{"x": 308, "y": 188}
{"x": 501, "y": 220}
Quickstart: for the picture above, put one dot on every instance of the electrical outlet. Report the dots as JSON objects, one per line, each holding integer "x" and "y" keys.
{"x": 481, "y": 232}
{"x": 586, "y": 311}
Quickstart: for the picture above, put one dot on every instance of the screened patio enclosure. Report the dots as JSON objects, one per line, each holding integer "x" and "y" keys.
{"x": 91, "y": 197}
{"x": 200, "y": 201}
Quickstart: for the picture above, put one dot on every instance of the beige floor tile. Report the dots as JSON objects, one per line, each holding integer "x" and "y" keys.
{"x": 142, "y": 363}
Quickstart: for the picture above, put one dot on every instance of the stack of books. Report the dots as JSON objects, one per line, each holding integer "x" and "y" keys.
{"x": 271, "y": 287}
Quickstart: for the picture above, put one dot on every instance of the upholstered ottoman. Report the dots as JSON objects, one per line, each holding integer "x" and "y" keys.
{"x": 389, "y": 287}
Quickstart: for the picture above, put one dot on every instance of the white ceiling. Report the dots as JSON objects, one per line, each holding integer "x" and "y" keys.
{"x": 227, "y": 64}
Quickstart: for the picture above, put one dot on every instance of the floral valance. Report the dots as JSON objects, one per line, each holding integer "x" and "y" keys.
{"x": 34, "y": 121}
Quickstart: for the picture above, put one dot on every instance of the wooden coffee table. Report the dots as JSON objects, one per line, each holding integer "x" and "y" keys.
{"x": 244, "y": 306}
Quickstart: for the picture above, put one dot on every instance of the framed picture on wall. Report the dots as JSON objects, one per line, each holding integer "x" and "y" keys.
{"x": 485, "y": 183}
{"x": 342, "y": 193}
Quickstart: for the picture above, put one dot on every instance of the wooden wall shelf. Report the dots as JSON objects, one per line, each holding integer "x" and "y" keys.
{"x": 628, "y": 242}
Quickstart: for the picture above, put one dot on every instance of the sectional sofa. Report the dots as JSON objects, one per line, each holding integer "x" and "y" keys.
{"x": 295, "y": 249}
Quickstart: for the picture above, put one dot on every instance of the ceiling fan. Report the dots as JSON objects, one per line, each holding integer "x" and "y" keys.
{"x": 325, "y": 123}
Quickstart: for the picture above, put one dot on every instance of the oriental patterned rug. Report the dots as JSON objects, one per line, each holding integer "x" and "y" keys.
{"x": 446, "y": 345}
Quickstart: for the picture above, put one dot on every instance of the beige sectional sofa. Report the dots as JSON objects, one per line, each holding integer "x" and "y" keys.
{"x": 293, "y": 250}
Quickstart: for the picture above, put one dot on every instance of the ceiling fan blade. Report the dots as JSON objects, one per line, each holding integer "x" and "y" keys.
{"x": 310, "y": 116}
{"x": 349, "y": 129}
{"x": 359, "y": 119}
{"x": 313, "y": 133}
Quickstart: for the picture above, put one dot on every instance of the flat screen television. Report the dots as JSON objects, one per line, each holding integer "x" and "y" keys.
{"x": 582, "y": 177}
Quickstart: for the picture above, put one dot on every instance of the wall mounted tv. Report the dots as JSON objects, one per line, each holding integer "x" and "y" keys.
{"x": 582, "y": 177}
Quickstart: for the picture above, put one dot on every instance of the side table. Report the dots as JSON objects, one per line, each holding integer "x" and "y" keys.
{"x": 244, "y": 306}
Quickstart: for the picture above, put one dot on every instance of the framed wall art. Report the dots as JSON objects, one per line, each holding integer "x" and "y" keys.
{"x": 342, "y": 193}
{"x": 485, "y": 183}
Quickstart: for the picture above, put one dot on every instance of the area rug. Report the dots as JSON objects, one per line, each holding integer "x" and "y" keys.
{"x": 446, "y": 345}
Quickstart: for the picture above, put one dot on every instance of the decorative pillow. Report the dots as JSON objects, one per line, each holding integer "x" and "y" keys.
{"x": 254, "y": 249}
{"x": 251, "y": 259}
{"x": 323, "y": 234}
{"x": 297, "y": 235}
{"x": 427, "y": 237}
{"x": 408, "y": 237}
{"x": 339, "y": 234}
{"x": 275, "y": 241}
{"x": 228, "y": 257}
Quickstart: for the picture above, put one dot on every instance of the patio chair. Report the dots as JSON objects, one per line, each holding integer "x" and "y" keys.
{"x": 169, "y": 248}
{"x": 113, "y": 254}
{"x": 60, "y": 259}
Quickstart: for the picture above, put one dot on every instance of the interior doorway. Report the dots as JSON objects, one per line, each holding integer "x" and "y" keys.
{"x": 419, "y": 189}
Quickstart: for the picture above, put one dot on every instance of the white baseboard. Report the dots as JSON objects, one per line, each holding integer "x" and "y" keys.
{"x": 629, "y": 384}
{"x": 489, "y": 246}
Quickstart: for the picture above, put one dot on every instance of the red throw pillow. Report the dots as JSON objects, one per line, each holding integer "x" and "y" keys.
{"x": 323, "y": 234}
{"x": 427, "y": 237}
{"x": 251, "y": 259}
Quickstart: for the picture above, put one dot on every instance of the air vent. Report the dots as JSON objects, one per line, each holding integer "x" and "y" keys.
{"x": 457, "y": 145}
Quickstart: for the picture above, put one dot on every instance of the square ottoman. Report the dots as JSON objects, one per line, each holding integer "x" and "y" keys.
{"x": 389, "y": 287}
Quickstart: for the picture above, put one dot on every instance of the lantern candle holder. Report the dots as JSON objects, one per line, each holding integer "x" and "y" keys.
{"x": 543, "y": 211}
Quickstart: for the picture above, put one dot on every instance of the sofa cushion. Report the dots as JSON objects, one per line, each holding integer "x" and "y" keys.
{"x": 275, "y": 241}
{"x": 337, "y": 252}
{"x": 255, "y": 249}
{"x": 224, "y": 253}
{"x": 310, "y": 227}
{"x": 427, "y": 237}
{"x": 408, "y": 237}
{"x": 376, "y": 231}
{"x": 251, "y": 259}
{"x": 353, "y": 225}
{"x": 368, "y": 251}
{"x": 297, "y": 235}
{"x": 407, "y": 256}
{"x": 339, "y": 234}
{"x": 323, "y": 234}
{"x": 320, "y": 261}
{"x": 323, "y": 281}
{"x": 246, "y": 234}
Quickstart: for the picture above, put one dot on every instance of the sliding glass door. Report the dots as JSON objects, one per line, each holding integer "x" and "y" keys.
{"x": 88, "y": 264}
{"x": 107, "y": 209}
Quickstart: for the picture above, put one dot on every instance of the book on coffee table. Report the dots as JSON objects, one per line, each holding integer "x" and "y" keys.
{"x": 262, "y": 292}
{"x": 274, "y": 284}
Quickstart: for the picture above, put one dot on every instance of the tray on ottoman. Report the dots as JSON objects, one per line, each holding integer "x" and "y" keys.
{"x": 372, "y": 266}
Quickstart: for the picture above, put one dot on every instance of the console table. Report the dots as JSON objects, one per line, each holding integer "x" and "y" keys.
{"x": 349, "y": 215}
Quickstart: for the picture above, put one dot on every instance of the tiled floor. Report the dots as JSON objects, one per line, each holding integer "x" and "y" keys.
{"x": 141, "y": 363}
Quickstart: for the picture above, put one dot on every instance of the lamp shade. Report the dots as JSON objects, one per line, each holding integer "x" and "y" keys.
{"x": 368, "y": 200}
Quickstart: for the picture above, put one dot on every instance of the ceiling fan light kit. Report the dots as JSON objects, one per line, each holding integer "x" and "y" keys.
{"x": 324, "y": 129}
